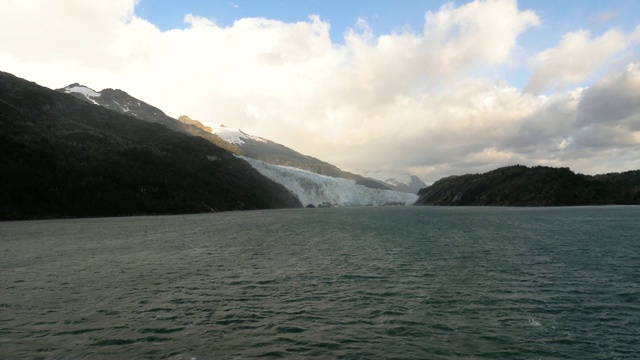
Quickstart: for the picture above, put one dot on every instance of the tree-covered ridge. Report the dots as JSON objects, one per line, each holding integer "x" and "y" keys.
{"x": 519, "y": 185}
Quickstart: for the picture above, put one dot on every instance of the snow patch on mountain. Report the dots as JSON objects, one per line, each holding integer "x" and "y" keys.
{"x": 235, "y": 136}
{"x": 124, "y": 108}
{"x": 81, "y": 89}
{"x": 315, "y": 189}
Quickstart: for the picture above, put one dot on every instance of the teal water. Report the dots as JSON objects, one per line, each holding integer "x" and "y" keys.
{"x": 352, "y": 283}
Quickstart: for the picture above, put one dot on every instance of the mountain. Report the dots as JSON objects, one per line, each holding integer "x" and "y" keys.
{"x": 120, "y": 101}
{"x": 315, "y": 190}
{"x": 519, "y": 185}
{"x": 253, "y": 147}
{"x": 314, "y": 182}
{"x": 187, "y": 120}
{"x": 243, "y": 145}
{"x": 273, "y": 153}
{"x": 62, "y": 156}
{"x": 406, "y": 183}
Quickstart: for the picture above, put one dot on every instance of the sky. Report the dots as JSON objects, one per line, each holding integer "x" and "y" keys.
{"x": 432, "y": 88}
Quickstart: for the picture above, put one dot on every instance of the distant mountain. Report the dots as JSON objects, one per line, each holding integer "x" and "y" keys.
{"x": 65, "y": 157}
{"x": 406, "y": 183}
{"x": 315, "y": 190}
{"x": 533, "y": 186}
{"x": 273, "y": 153}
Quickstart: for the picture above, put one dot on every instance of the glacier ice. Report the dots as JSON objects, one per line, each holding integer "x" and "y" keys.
{"x": 315, "y": 189}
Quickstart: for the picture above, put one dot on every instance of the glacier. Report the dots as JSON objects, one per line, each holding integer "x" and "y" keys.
{"x": 315, "y": 189}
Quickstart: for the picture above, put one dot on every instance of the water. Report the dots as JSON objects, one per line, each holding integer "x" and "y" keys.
{"x": 399, "y": 282}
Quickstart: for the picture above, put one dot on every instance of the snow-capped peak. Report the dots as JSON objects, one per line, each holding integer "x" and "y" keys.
{"x": 235, "y": 136}
{"x": 81, "y": 89}
{"x": 405, "y": 179}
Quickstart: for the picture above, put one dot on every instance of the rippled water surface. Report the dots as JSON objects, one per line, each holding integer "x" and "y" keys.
{"x": 370, "y": 283}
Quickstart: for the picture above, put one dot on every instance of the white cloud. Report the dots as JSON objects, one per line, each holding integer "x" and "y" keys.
{"x": 198, "y": 21}
{"x": 396, "y": 102}
{"x": 576, "y": 58}
{"x": 480, "y": 31}
{"x": 60, "y": 30}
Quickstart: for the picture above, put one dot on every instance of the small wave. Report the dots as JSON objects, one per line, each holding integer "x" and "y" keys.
{"x": 78, "y": 332}
{"x": 290, "y": 329}
{"x": 120, "y": 342}
{"x": 161, "y": 330}
{"x": 274, "y": 354}
{"x": 159, "y": 309}
{"x": 111, "y": 342}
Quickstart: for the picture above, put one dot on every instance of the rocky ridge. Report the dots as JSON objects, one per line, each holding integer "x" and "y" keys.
{"x": 120, "y": 101}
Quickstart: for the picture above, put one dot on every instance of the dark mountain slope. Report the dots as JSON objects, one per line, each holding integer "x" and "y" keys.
{"x": 60, "y": 157}
{"x": 536, "y": 186}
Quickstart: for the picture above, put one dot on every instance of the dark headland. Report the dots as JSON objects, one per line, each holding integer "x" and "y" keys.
{"x": 520, "y": 185}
